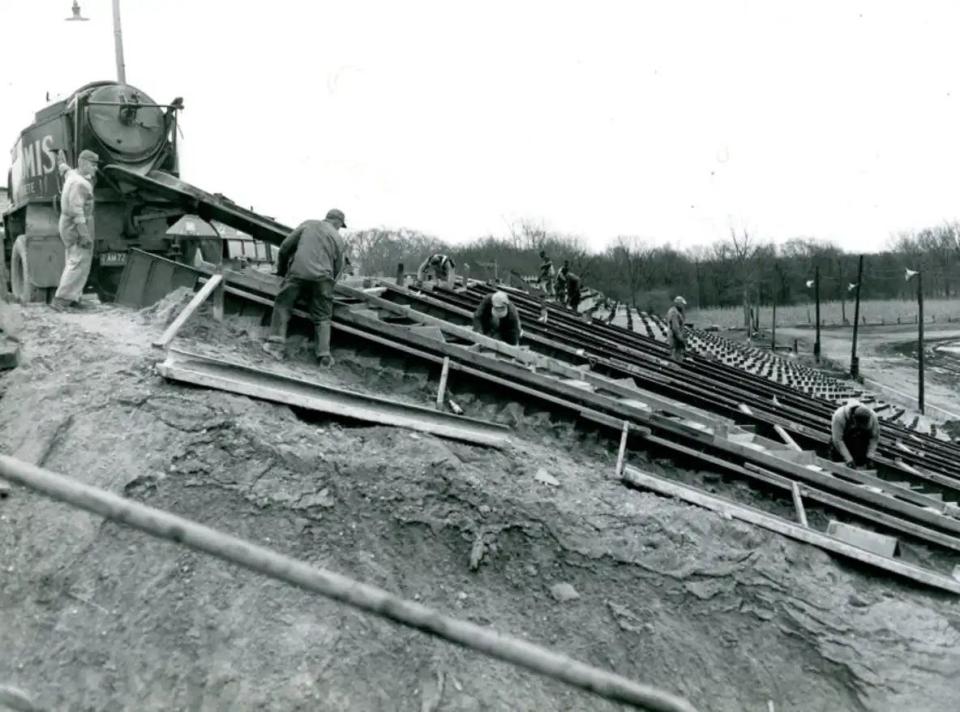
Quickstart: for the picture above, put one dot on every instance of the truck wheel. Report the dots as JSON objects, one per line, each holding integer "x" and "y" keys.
{"x": 20, "y": 284}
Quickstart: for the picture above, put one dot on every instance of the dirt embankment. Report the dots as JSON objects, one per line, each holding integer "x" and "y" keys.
{"x": 94, "y": 616}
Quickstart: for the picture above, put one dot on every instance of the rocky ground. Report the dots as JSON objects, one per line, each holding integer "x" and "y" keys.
{"x": 94, "y": 616}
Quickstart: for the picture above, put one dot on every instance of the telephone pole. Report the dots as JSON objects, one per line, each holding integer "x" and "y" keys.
{"x": 816, "y": 292}
{"x": 920, "y": 336}
{"x": 854, "y": 361}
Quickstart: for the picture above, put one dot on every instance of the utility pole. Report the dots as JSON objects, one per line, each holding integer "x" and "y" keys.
{"x": 816, "y": 291}
{"x": 920, "y": 335}
{"x": 854, "y": 361}
{"x": 773, "y": 338}
{"x": 118, "y": 43}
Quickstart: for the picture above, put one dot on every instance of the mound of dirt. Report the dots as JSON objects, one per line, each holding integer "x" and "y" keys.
{"x": 96, "y": 616}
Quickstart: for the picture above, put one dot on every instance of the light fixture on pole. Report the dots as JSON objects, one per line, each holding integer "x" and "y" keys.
{"x": 815, "y": 283}
{"x": 77, "y": 17}
{"x": 117, "y": 36}
{"x": 854, "y": 360}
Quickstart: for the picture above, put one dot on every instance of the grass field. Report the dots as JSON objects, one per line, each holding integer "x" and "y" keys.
{"x": 881, "y": 311}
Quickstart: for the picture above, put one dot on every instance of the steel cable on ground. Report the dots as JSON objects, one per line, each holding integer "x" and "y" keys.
{"x": 164, "y": 525}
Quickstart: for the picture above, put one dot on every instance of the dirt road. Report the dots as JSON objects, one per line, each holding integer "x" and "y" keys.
{"x": 888, "y": 362}
{"x": 94, "y": 616}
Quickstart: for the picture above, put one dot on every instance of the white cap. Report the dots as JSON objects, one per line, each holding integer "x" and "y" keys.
{"x": 680, "y": 300}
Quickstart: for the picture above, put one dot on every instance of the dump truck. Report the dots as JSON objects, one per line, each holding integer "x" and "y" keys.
{"x": 138, "y": 191}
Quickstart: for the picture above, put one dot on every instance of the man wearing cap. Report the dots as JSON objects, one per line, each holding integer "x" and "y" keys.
{"x": 441, "y": 266}
{"x": 76, "y": 228}
{"x": 856, "y": 434}
{"x": 545, "y": 278}
{"x": 675, "y": 321}
{"x": 310, "y": 260}
{"x": 571, "y": 286}
{"x": 497, "y": 318}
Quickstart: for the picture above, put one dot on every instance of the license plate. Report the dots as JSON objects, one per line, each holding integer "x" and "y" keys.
{"x": 113, "y": 258}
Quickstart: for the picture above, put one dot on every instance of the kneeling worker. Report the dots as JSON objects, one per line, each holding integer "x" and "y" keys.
{"x": 856, "y": 434}
{"x": 497, "y": 318}
{"x": 441, "y": 266}
{"x": 316, "y": 255}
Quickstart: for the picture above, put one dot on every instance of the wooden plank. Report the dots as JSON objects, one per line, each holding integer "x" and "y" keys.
{"x": 442, "y": 389}
{"x": 623, "y": 447}
{"x": 199, "y": 298}
{"x": 755, "y": 472}
{"x": 725, "y": 507}
{"x": 218, "y": 296}
{"x": 798, "y": 504}
{"x": 301, "y": 393}
{"x": 785, "y": 436}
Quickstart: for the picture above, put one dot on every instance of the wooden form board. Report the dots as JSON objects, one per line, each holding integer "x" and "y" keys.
{"x": 279, "y": 388}
{"x": 644, "y": 480}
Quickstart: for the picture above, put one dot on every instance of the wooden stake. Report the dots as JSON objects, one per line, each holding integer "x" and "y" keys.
{"x": 623, "y": 448}
{"x": 785, "y": 436}
{"x": 218, "y": 295}
{"x": 798, "y": 505}
{"x": 213, "y": 284}
{"x": 442, "y": 390}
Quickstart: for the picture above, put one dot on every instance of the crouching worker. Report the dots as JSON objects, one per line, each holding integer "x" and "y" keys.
{"x": 441, "y": 266}
{"x": 856, "y": 434}
{"x": 310, "y": 260}
{"x": 497, "y": 318}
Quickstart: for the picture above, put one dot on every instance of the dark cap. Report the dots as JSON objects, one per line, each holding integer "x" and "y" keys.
{"x": 88, "y": 155}
{"x": 336, "y": 214}
{"x": 861, "y": 415}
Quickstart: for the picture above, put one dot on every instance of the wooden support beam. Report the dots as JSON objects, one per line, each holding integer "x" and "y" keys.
{"x": 623, "y": 447}
{"x": 218, "y": 295}
{"x": 442, "y": 390}
{"x": 645, "y": 480}
{"x": 787, "y": 439}
{"x": 798, "y": 504}
{"x": 199, "y": 298}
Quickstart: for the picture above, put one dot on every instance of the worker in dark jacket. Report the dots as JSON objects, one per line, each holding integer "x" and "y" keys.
{"x": 571, "y": 286}
{"x": 441, "y": 266}
{"x": 676, "y": 319}
{"x": 497, "y": 318}
{"x": 855, "y": 432}
{"x": 310, "y": 260}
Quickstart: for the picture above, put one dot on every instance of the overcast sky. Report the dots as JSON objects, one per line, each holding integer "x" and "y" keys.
{"x": 669, "y": 120}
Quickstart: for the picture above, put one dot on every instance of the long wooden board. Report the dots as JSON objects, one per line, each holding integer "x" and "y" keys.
{"x": 644, "y": 480}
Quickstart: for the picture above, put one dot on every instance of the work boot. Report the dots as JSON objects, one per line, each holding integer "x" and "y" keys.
{"x": 323, "y": 344}
{"x": 274, "y": 348}
{"x": 60, "y": 305}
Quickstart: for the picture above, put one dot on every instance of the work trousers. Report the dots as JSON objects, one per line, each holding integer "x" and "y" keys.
{"x": 76, "y": 270}
{"x": 857, "y": 444}
{"x": 318, "y": 292}
{"x": 679, "y": 350}
{"x": 573, "y": 298}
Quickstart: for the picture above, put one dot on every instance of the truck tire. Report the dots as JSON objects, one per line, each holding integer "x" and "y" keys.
{"x": 20, "y": 284}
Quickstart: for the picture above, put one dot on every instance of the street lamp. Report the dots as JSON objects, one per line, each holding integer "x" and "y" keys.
{"x": 908, "y": 275}
{"x": 117, "y": 36}
{"x": 815, "y": 283}
{"x": 854, "y": 361}
{"x": 76, "y": 13}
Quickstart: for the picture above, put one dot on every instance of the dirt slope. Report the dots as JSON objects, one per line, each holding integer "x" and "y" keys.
{"x": 94, "y": 616}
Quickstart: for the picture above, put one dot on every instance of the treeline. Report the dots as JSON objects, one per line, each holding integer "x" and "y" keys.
{"x": 741, "y": 270}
